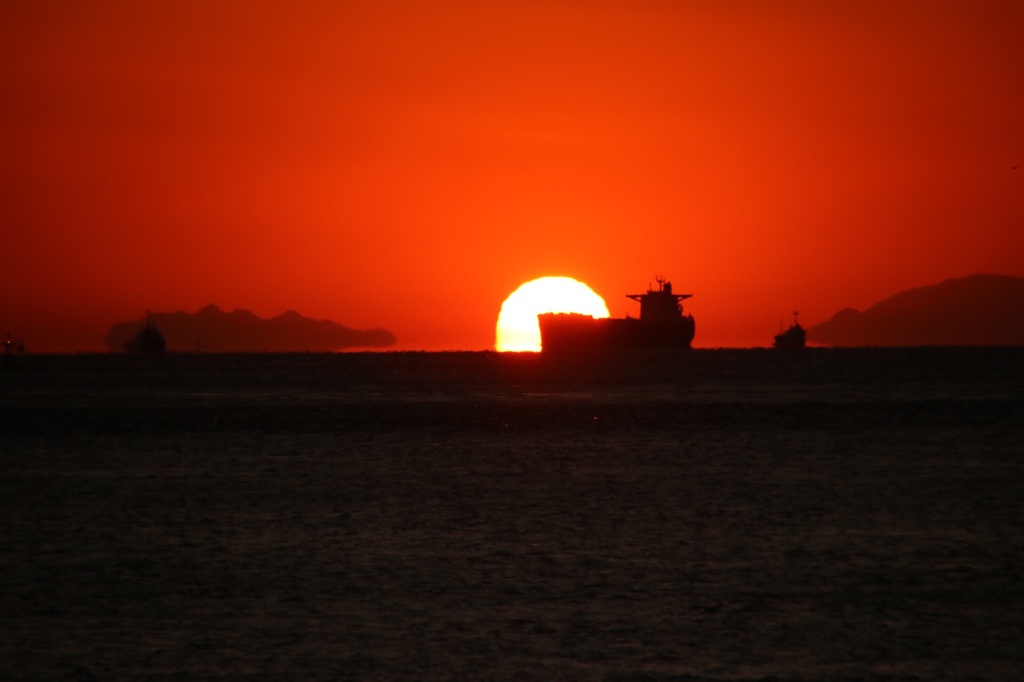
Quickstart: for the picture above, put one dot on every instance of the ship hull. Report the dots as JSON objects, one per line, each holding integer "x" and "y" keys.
{"x": 567, "y": 333}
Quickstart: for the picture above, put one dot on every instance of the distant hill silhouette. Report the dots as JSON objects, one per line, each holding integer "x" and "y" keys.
{"x": 979, "y": 310}
{"x": 212, "y": 329}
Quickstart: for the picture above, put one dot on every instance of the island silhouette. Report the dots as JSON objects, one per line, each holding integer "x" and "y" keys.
{"x": 977, "y": 310}
{"x": 214, "y": 330}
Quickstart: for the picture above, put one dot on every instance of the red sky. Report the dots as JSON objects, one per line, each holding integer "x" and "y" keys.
{"x": 408, "y": 165}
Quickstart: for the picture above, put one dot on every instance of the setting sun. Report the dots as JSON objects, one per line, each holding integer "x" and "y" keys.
{"x": 517, "y": 322}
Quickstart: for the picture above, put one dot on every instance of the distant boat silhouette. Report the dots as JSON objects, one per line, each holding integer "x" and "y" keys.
{"x": 662, "y": 324}
{"x": 13, "y": 346}
{"x": 794, "y": 337}
{"x": 149, "y": 340}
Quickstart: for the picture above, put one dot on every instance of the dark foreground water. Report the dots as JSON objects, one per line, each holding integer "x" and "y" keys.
{"x": 721, "y": 515}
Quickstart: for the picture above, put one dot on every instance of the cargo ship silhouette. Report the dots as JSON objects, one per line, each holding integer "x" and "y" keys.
{"x": 661, "y": 324}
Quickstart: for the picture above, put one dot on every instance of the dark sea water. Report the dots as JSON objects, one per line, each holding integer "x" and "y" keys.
{"x": 716, "y": 515}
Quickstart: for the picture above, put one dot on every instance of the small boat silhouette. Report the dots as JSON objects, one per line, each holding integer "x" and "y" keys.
{"x": 149, "y": 340}
{"x": 794, "y": 337}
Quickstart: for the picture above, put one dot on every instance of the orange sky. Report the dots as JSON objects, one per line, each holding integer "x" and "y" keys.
{"x": 408, "y": 165}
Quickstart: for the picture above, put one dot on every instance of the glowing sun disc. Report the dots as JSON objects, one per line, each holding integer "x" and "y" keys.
{"x": 517, "y": 328}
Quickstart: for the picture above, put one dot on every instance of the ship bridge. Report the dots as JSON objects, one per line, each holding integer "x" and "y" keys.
{"x": 660, "y": 305}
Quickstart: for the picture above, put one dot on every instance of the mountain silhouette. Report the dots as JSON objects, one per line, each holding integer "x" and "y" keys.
{"x": 212, "y": 329}
{"x": 978, "y": 310}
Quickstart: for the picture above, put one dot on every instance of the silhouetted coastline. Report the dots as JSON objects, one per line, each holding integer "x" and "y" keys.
{"x": 213, "y": 330}
{"x": 979, "y": 310}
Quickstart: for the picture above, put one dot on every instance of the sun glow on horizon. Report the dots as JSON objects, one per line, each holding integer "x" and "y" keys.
{"x": 517, "y": 328}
